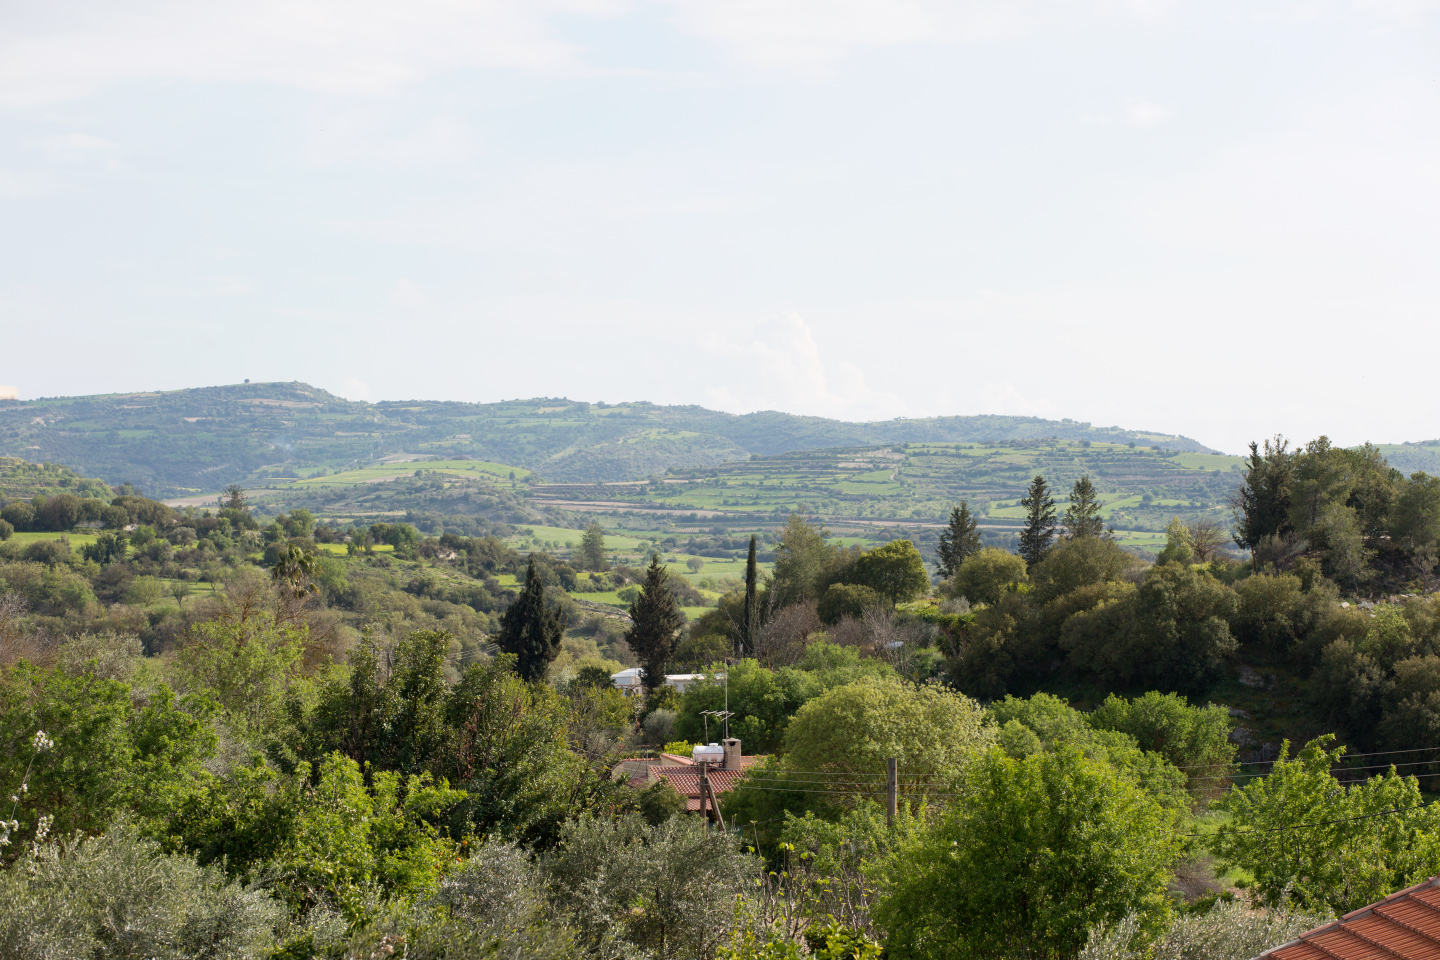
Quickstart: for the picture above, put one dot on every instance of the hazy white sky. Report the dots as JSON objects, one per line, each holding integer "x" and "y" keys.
{"x": 1211, "y": 218}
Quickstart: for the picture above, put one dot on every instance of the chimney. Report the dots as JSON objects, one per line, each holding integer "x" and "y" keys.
{"x": 732, "y": 753}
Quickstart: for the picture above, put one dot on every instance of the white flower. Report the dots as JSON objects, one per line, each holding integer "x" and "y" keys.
{"x": 42, "y": 742}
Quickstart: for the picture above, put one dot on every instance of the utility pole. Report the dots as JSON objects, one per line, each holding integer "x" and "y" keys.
{"x": 892, "y": 789}
{"x": 708, "y": 801}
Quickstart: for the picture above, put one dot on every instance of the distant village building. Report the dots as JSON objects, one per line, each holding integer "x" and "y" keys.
{"x": 633, "y": 680}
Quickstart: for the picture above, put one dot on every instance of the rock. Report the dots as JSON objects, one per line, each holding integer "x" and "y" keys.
{"x": 1237, "y": 712}
{"x": 1249, "y": 678}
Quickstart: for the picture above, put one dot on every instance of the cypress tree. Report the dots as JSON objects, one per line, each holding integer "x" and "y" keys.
{"x": 959, "y": 540}
{"x": 751, "y": 612}
{"x": 655, "y": 623}
{"x": 1264, "y": 498}
{"x": 1082, "y": 517}
{"x": 1039, "y": 530}
{"x": 531, "y": 629}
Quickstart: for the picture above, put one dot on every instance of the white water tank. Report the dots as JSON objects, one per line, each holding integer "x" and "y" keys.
{"x": 708, "y": 753}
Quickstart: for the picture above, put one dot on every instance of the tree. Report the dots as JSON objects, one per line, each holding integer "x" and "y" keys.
{"x": 1262, "y": 502}
{"x": 107, "y": 548}
{"x": 984, "y": 577}
{"x": 1193, "y": 738}
{"x": 801, "y": 559}
{"x": 1078, "y": 562}
{"x": 234, "y": 498}
{"x": 844, "y": 600}
{"x": 1178, "y": 548}
{"x": 1035, "y": 853}
{"x": 750, "y": 613}
{"x": 1170, "y": 633}
{"x": 655, "y": 624}
{"x": 1082, "y": 517}
{"x": 1039, "y": 530}
{"x": 295, "y": 572}
{"x": 531, "y": 629}
{"x": 958, "y": 541}
{"x": 850, "y": 731}
{"x": 1206, "y": 539}
{"x": 592, "y": 547}
{"x": 1323, "y": 845}
{"x": 246, "y": 664}
{"x": 894, "y": 570}
{"x": 82, "y": 748}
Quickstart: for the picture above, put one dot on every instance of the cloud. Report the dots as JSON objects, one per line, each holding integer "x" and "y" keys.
{"x": 408, "y": 295}
{"x": 53, "y": 50}
{"x": 1146, "y": 113}
{"x": 810, "y": 36}
{"x": 27, "y": 184}
{"x": 353, "y": 388}
{"x": 778, "y": 365}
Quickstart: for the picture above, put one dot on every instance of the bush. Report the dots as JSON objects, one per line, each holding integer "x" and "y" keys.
{"x": 669, "y": 890}
{"x": 492, "y": 905}
{"x": 6, "y": 530}
{"x": 118, "y": 896}
{"x": 1230, "y": 930}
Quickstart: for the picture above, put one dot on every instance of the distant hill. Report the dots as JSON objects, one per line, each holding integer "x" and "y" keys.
{"x": 20, "y": 480}
{"x": 1409, "y": 458}
{"x": 188, "y": 441}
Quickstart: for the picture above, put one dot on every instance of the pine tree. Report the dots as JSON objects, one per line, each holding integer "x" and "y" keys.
{"x": 1039, "y": 530}
{"x": 531, "y": 629}
{"x": 592, "y": 547}
{"x": 655, "y": 623}
{"x": 1082, "y": 517}
{"x": 959, "y": 540}
{"x": 751, "y": 611}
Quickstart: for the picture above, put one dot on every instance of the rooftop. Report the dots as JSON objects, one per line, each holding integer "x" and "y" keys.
{"x": 1403, "y": 926}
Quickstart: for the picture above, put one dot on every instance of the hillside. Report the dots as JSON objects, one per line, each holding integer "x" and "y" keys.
{"x": 910, "y": 488}
{"x": 21, "y": 480}
{"x": 194, "y": 441}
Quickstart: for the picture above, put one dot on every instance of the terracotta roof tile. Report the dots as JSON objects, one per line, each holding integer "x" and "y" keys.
{"x": 1403, "y": 926}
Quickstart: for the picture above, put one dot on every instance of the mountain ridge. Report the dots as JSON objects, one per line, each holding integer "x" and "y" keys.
{"x": 201, "y": 438}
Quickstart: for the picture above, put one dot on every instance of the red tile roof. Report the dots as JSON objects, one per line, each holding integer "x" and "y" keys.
{"x": 684, "y": 779}
{"x": 1403, "y": 926}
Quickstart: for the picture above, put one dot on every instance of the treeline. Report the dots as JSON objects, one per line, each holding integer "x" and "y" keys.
{"x": 378, "y": 751}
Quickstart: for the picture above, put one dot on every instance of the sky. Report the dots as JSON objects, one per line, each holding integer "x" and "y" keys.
{"x": 1219, "y": 219}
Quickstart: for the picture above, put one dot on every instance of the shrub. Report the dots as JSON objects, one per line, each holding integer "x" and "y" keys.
{"x": 119, "y": 896}
{"x": 669, "y": 889}
{"x": 1230, "y": 930}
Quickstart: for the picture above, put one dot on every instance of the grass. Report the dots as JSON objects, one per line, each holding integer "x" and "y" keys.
{"x": 76, "y": 539}
{"x": 380, "y": 473}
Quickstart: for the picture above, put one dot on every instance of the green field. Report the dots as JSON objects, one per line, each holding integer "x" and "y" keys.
{"x": 77, "y": 539}
{"x": 383, "y": 472}
{"x": 910, "y": 488}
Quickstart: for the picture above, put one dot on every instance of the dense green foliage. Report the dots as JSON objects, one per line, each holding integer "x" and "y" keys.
{"x": 274, "y": 735}
{"x": 1035, "y": 853}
